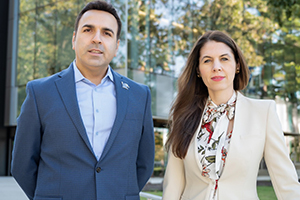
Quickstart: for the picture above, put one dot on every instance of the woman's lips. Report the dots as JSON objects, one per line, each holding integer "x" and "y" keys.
{"x": 217, "y": 78}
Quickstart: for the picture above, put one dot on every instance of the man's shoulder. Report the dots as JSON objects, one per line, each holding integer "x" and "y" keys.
{"x": 49, "y": 79}
{"x": 43, "y": 80}
{"x": 128, "y": 83}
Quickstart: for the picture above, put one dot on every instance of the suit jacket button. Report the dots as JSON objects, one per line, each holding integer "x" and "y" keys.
{"x": 98, "y": 169}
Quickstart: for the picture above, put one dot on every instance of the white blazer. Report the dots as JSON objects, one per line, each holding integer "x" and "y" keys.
{"x": 257, "y": 133}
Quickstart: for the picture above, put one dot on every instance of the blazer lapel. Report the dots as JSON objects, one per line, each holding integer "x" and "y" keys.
{"x": 234, "y": 147}
{"x": 122, "y": 93}
{"x": 67, "y": 90}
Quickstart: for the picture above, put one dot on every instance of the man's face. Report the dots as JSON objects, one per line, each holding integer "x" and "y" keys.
{"x": 95, "y": 42}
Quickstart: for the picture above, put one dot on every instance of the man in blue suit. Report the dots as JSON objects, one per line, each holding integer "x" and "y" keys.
{"x": 86, "y": 133}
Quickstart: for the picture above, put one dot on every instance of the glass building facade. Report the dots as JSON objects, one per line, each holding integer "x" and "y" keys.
{"x": 156, "y": 38}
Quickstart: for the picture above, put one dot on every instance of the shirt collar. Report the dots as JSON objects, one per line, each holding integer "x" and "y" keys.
{"x": 79, "y": 77}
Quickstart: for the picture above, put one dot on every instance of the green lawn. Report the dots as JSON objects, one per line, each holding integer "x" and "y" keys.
{"x": 158, "y": 193}
{"x": 264, "y": 193}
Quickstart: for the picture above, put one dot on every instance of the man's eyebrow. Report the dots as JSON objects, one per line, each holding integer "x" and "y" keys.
{"x": 92, "y": 26}
{"x": 88, "y": 26}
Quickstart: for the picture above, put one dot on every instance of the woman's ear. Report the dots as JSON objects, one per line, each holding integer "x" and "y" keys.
{"x": 198, "y": 73}
{"x": 237, "y": 68}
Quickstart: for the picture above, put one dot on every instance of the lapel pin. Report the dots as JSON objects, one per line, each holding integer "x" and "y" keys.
{"x": 125, "y": 85}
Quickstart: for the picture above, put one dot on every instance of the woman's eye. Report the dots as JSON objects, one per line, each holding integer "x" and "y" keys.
{"x": 206, "y": 61}
{"x": 224, "y": 59}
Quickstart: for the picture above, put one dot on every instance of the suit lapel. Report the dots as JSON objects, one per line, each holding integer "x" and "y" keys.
{"x": 67, "y": 90}
{"x": 122, "y": 92}
{"x": 235, "y": 143}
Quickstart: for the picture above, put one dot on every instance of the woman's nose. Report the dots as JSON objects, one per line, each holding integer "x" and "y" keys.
{"x": 217, "y": 66}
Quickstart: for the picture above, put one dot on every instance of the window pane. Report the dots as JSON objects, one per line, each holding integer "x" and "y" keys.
{"x": 45, "y": 42}
{"x": 26, "y": 48}
{"x": 66, "y": 16}
{"x": 41, "y": 3}
{"x": 26, "y": 5}
{"x": 119, "y": 62}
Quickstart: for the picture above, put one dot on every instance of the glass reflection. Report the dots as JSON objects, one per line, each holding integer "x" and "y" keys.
{"x": 156, "y": 39}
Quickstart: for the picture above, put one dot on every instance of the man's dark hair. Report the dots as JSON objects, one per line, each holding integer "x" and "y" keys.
{"x": 103, "y": 6}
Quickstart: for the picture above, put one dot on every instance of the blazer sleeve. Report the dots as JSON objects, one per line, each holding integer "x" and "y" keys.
{"x": 174, "y": 179}
{"x": 281, "y": 169}
{"x": 26, "y": 151}
{"x": 145, "y": 159}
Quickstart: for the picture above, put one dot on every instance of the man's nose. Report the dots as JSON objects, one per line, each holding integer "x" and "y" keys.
{"x": 97, "y": 37}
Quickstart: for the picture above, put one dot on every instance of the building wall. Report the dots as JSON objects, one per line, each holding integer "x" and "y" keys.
{"x": 4, "y": 146}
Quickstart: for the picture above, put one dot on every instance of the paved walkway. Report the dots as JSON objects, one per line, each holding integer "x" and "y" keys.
{"x": 10, "y": 190}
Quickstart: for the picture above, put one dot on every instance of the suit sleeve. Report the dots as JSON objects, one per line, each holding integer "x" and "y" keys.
{"x": 281, "y": 169}
{"x": 26, "y": 151}
{"x": 174, "y": 179}
{"x": 145, "y": 159}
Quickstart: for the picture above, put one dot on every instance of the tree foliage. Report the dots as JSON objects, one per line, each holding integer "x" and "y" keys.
{"x": 284, "y": 10}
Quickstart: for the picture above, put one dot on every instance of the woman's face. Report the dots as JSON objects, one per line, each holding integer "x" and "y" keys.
{"x": 217, "y": 67}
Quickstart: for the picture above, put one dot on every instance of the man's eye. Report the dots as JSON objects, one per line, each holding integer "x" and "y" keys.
{"x": 108, "y": 34}
{"x": 87, "y": 30}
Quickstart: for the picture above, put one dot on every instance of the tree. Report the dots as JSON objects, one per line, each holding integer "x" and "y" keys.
{"x": 284, "y": 10}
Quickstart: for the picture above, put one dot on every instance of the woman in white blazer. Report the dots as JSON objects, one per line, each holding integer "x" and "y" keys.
{"x": 218, "y": 136}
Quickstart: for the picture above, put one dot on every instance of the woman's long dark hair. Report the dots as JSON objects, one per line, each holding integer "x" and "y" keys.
{"x": 187, "y": 109}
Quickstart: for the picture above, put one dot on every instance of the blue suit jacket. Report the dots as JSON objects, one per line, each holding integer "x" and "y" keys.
{"x": 52, "y": 156}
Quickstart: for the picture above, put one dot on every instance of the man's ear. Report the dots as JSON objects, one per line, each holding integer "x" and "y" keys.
{"x": 117, "y": 47}
{"x": 73, "y": 40}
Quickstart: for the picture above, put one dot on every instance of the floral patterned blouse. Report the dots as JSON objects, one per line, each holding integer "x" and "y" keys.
{"x": 213, "y": 139}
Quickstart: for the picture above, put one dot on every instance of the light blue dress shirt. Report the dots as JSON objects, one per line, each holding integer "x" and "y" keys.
{"x": 98, "y": 105}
